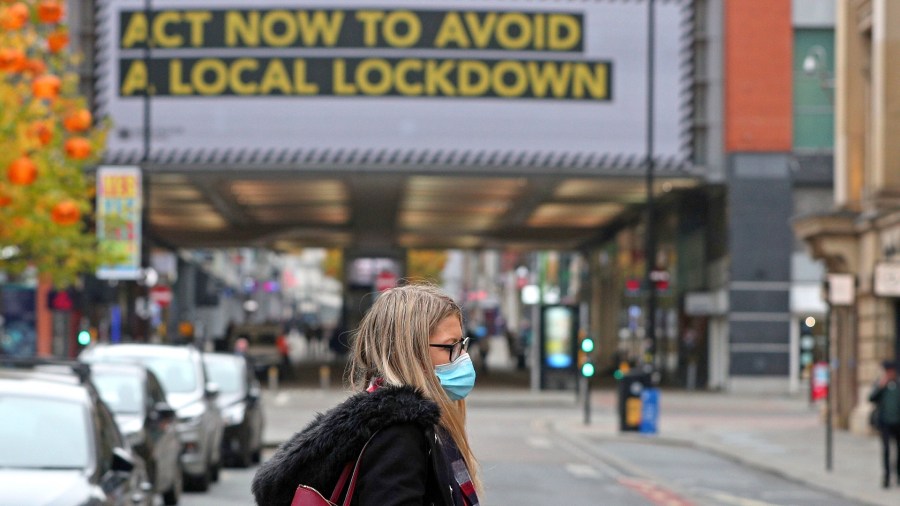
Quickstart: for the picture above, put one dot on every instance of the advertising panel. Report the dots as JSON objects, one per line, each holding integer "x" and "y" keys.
{"x": 119, "y": 193}
{"x": 367, "y": 83}
{"x": 559, "y": 329}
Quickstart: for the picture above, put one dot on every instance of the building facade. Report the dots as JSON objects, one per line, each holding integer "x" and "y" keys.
{"x": 741, "y": 308}
{"x": 860, "y": 235}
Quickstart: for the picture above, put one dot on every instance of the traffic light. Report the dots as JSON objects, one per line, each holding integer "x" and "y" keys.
{"x": 587, "y": 370}
{"x": 587, "y": 345}
{"x": 587, "y": 365}
{"x": 85, "y": 337}
{"x": 622, "y": 370}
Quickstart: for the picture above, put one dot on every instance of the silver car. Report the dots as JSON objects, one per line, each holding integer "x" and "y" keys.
{"x": 147, "y": 422}
{"x": 188, "y": 390}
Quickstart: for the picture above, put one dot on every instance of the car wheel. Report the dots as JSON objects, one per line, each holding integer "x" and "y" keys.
{"x": 200, "y": 483}
{"x": 173, "y": 495}
{"x": 214, "y": 470}
{"x": 245, "y": 457}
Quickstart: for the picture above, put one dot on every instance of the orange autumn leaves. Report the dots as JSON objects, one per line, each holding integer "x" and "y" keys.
{"x": 48, "y": 138}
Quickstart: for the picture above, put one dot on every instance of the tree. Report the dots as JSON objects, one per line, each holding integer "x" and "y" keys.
{"x": 47, "y": 139}
{"x": 424, "y": 265}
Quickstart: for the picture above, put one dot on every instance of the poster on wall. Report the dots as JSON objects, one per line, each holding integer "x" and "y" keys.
{"x": 506, "y": 83}
{"x": 119, "y": 195}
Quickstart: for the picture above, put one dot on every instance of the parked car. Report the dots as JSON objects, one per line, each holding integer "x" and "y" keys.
{"x": 239, "y": 400}
{"x": 189, "y": 391}
{"x": 146, "y": 420}
{"x": 59, "y": 443}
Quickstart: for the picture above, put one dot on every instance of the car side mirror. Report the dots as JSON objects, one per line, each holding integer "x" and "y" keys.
{"x": 162, "y": 412}
{"x": 122, "y": 461}
{"x": 212, "y": 390}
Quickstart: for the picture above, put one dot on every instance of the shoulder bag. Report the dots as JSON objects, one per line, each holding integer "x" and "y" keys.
{"x": 308, "y": 496}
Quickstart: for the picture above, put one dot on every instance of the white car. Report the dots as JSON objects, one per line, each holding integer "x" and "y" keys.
{"x": 188, "y": 390}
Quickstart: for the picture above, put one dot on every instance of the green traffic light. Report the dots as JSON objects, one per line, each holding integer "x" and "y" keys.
{"x": 587, "y": 345}
{"x": 84, "y": 338}
{"x": 587, "y": 370}
{"x": 618, "y": 374}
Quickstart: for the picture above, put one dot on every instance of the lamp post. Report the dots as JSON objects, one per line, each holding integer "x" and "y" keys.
{"x": 815, "y": 65}
{"x": 650, "y": 239}
{"x": 145, "y": 180}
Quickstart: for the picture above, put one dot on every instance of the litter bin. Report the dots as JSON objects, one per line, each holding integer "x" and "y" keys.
{"x": 649, "y": 411}
{"x": 630, "y": 388}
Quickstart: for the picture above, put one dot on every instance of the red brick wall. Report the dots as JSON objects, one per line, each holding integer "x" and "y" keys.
{"x": 758, "y": 60}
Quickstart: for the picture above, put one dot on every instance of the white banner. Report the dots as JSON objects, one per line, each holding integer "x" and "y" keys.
{"x": 361, "y": 82}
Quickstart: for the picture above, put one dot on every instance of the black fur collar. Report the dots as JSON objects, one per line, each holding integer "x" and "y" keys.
{"x": 316, "y": 455}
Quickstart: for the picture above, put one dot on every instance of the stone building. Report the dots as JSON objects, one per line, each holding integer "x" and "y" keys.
{"x": 861, "y": 235}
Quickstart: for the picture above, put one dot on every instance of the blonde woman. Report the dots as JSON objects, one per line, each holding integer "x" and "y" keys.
{"x": 412, "y": 372}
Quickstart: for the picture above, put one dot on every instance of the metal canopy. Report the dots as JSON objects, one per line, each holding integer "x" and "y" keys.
{"x": 287, "y": 211}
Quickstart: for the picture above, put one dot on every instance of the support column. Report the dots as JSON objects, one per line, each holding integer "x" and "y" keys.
{"x": 849, "y": 109}
{"x": 885, "y": 98}
{"x": 44, "y": 318}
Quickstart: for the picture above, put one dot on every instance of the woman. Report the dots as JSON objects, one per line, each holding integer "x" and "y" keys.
{"x": 412, "y": 372}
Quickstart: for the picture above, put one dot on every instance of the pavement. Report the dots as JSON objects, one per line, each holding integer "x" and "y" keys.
{"x": 784, "y": 435}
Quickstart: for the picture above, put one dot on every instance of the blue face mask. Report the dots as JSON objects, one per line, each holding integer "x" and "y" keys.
{"x": 457, "y": 377}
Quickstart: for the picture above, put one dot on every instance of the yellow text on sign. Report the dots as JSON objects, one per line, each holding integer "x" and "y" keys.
{"x": 283, "y": 28}
{"x": 410, "y": 77}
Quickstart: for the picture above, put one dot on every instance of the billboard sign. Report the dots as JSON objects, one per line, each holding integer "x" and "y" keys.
{"x": 363, "y": 82}
{"x": 119, "y": 194}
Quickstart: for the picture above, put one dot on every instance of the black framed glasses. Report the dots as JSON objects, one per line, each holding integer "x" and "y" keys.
{"x": 456, "y": 349}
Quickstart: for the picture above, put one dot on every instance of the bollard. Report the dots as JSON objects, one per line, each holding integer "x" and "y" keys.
{"x": 273, "y": 377}
{"x": 325, "y": 377}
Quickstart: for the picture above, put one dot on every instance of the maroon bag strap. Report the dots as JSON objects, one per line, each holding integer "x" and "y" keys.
{"x": 336, "y": 494}
{"x": 345, "y": 474}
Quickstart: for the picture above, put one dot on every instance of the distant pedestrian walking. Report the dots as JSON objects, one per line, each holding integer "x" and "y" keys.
{"x": 886, "y": 396}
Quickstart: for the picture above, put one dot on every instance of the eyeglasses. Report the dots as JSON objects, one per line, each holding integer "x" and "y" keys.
{"x": 456, "y": 349}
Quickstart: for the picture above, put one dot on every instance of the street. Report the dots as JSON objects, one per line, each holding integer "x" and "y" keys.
{"x": 532, "y": 454}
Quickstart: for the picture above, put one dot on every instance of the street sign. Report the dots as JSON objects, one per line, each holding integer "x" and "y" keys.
{"x": 385, "y": 280}
{"x": 161, "y": 295}
{"x": 841, "y": 289}
{"x": 887, "y": 279}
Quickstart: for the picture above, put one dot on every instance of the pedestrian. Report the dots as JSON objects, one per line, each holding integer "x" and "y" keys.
{"x": 241, "y": 345}
{"x": 886, "y": 396}
{"x": 411, "y": 371}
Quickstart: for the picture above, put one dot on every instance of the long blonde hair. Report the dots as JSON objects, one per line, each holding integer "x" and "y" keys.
{"x": 392, "y": 343}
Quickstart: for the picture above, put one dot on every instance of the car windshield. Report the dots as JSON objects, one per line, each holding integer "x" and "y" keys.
{"x": 43, "y": 433}
{"x": 226, "y": 372}
{"x": 123, "y": 393}
{"x": 176, "y": 374}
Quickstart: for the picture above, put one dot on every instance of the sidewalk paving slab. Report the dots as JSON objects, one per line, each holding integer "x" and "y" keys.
{"x": 781, "y": 435}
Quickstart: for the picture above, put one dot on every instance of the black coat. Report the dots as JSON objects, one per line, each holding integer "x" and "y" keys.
{"x": 403, "y": 464}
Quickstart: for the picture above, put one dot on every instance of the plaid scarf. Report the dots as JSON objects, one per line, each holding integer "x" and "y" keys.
{"x": 468, "y": 497}
{"x": 460, "y": 472}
